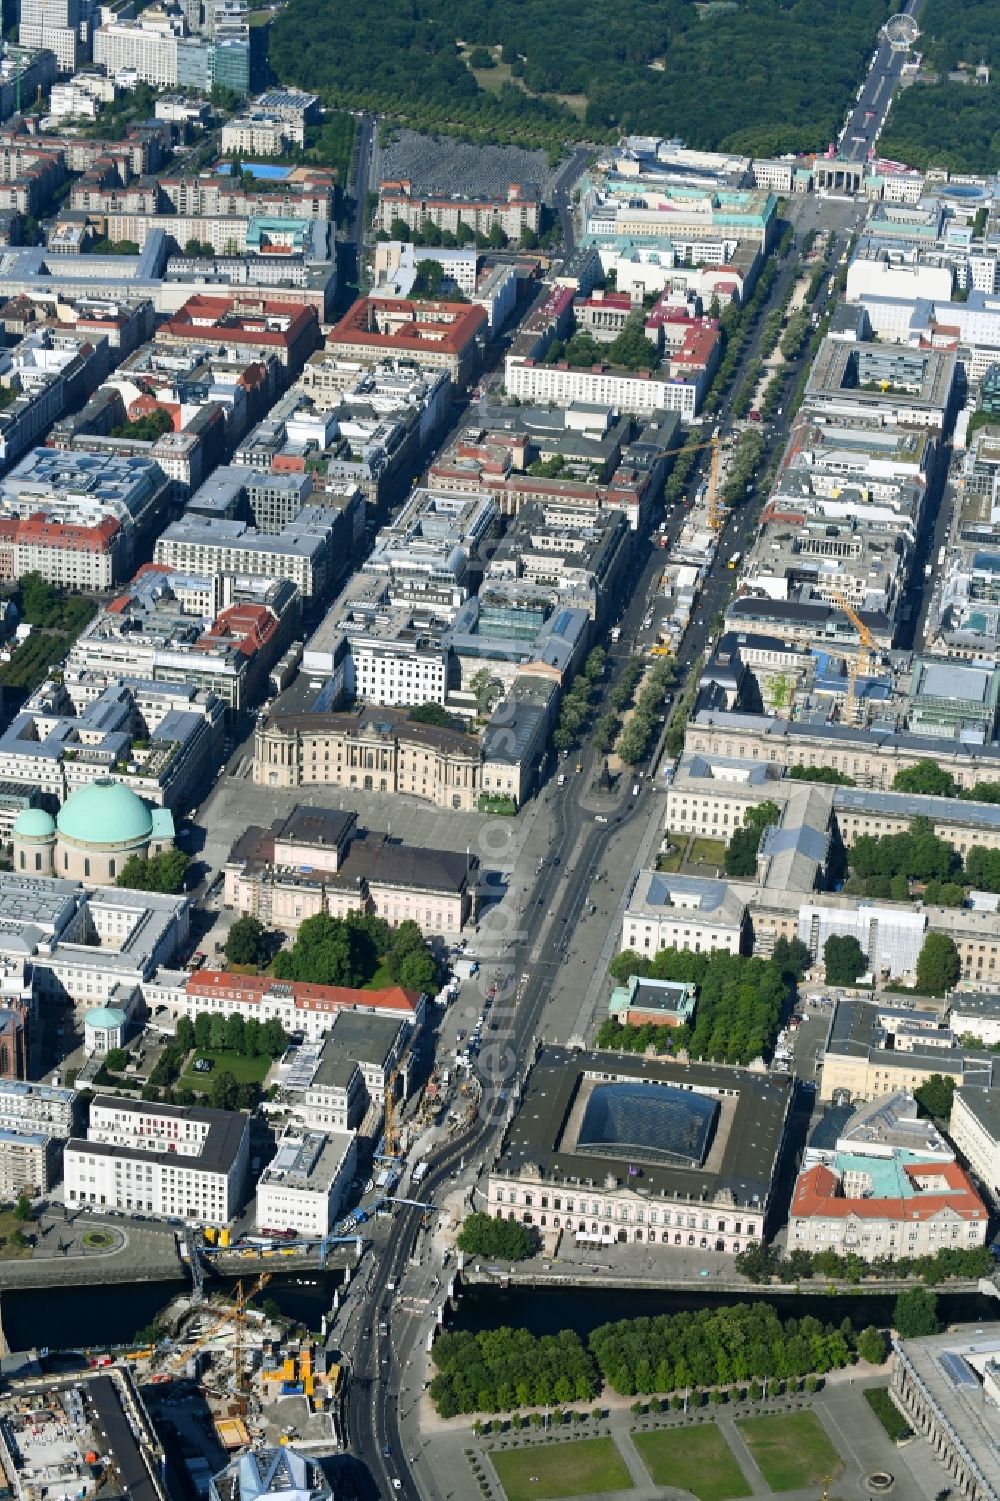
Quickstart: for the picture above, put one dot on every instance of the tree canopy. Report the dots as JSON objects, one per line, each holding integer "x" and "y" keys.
{"x": 936, "y": 1095}
{"x": 939, "y": 965}
{"x": 741, "y": 851}
{"x": 246, "y": 941}
{"x": 739, "y": 999}
{"x": 164, "y": 872}
{"x": 498, "y": 1369}
{"x": 844, "y": 959}
{"x": 761, "y": 78}
{"x": 820, "y": 774}
{"x": 926, "y": 778}
{"x": 357, "y": 950}
{"x": 482, "y": 1235}
{"x": 915, "y": 1314}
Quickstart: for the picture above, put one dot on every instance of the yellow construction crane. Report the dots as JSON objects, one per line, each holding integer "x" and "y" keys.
{"x": 390, "y": 1145}
{"x": 234, "y": 1311}
{"x": 715, "y": 511}
{"x": 862, "y": 661}
{"x": 240, "y": 1301}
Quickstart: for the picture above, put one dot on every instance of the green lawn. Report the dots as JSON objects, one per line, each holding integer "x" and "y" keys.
{"x": 581, "y": 1467}
{"x": 697, "y": 1459}
{"x": 708, "y": 852}
{"x": 672, "y": 862}
{"x": 243, "y": 1070}
{"x": 791, "y": 1449}
{"x": 9, "y": 1223}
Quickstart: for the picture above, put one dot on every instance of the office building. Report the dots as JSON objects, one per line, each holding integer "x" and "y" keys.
{"x": 165, "y": 1160}
{"x": 305, "y": 1183}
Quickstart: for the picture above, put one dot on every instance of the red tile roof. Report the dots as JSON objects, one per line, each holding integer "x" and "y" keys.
{"x": 422, "y": 326}
{"x": 39, "y": 530}
{"x": 818, "y": 1193}
{"x": 251, "y": 990}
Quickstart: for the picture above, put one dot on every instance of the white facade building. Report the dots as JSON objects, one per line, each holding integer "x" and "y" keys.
{"x": 303, "y": 1187}
{"x": 259, "y": 135}
{"x": 622, "y": 390}
{"x": 975, "y": 1130}
{"x": 890, "y": 936}
{"x": 164, "y": 1160}
{"x": 37, "y": 1107}
{"x": 683, "y": 912}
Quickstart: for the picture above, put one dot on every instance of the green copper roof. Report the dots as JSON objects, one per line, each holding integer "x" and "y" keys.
{"x": 34, "y": 823}
{"x": 105, "y": 1016}
{"x": 105, "y": 812}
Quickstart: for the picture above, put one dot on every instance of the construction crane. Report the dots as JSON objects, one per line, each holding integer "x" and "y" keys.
{"x": 862, "y": 661}
{"x": 240, "y": 1301}
{"x": 714, "y": 508}
{"x": 234, "y": 1311}
{"x": 715, "y": 513}
{"x": 391, "y": 1130}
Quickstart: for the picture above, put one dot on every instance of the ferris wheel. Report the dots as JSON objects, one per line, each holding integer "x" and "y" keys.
{"x": 901, "y": 31}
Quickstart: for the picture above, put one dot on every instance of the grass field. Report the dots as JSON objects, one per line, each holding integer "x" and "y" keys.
{"x": 697, "y": 1459}
{"x": 582, "y": 1467}
{"x": 791, "y": 1449}
{"x": 243, "y": 1070}
{"x": 707, "y": 852}
{"x": 493, "y": 80}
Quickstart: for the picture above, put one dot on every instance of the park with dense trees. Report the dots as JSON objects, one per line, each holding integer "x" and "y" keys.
{"x": 358, "y": 950}
{"x": 950, "y": 124}
{"x": 739, "y": 1003}
{"x": 761, "y": 77}
{"x": 737, "y": 1347}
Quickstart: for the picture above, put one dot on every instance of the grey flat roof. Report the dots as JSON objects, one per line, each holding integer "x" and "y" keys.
{"x": 855, "y": 1031}
{"x": 751, "y": 1149}
{"x": 983, "y": 1006}
{"x": 363, "y": 1036}
{"x": 219, "y": 1150}
{"x": 985, "y": 1106}
{"x": 949, "y": 1369}
{"x": 913, "y": 805}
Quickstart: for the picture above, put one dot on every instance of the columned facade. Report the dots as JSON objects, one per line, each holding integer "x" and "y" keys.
{"x": 927, "y": 1416}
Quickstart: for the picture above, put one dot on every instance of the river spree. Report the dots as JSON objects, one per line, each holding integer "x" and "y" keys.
{"x": 84, "y": 1317}
{"x": 546, "y": 1311}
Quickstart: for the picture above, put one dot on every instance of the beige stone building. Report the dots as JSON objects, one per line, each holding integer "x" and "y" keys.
{"x": 873, "y": 1049}
{"x": 870, "y": 760}
{"x": 930, "y": 1206}
{"x": 100, "y": 826}
{"x": 374, "y": 749}
{"x": 975, "y": 1130}
{"x": 315, "y": 860}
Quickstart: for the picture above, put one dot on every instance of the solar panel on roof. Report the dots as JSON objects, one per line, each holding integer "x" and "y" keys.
{"x": 957, "y": 1369}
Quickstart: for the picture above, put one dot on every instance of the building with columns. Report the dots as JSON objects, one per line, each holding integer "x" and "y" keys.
{"x": 947, "y": 1386}
{"x": 377, "y": 749}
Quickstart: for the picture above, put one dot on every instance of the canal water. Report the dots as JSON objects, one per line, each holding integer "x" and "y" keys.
{"x": 78, "y": 1318}
{"x": 547, "y": 1311}
{"x": 65, "y": 1318}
